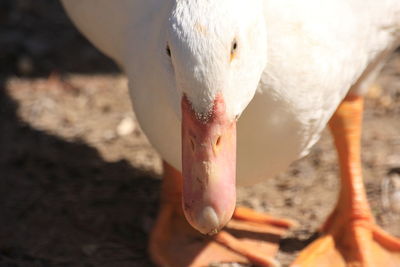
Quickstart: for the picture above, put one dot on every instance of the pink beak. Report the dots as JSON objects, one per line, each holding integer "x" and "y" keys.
{"x": 208, "y": 167}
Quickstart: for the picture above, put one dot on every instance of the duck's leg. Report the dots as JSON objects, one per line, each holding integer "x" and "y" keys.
{"x": 174, "y": 242}
{"x": 350, "y": 235}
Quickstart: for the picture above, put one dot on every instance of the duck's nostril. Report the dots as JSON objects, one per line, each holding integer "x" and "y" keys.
{"x": 192, "y": 145}
{"x": 218, "y": 141}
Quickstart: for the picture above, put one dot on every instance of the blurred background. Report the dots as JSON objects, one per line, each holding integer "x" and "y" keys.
{"x": 79, "y": 182}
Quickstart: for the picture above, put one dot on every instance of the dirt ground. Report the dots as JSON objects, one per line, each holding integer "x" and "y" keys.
{"x": 79, "y": 182}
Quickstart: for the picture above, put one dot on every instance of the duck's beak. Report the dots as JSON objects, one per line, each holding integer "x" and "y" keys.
{"x": 208, "y": 166}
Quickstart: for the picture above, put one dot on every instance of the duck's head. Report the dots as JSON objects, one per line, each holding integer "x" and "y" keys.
{"x": 217, "y": 52}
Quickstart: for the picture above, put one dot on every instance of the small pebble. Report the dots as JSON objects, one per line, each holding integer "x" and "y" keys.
{"x": 126, "y": 126}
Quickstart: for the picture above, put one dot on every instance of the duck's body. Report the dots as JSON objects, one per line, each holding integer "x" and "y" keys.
{"x": 291, "y": 64}
{"x": 316, "y": 52}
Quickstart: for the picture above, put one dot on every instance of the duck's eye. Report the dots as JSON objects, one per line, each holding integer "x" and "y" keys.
{"x": 234, "y": 47}
{"x": 168, "y": 50}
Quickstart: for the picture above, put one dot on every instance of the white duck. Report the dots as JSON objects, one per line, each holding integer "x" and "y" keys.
{"x": 283, "y": 67}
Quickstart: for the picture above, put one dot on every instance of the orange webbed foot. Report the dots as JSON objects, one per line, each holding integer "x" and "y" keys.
{"x": 350, "y": 235}
{"x": 358, "y": 242}
{"x": 247, "y": 239}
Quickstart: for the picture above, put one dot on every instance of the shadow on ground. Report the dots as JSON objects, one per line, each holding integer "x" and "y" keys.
{"x": 54, "y": 191}
{"x": 57, "y": 192}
